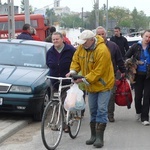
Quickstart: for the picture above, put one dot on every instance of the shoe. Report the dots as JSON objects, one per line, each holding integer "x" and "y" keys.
{"x": 138, "y": 117}
{"x": 111, "y": 119}
{"x": 145, "y": 123}
{"x": 65, "y": 128}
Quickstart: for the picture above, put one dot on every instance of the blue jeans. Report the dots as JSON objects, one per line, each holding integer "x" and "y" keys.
{"x": 98, "y": 105}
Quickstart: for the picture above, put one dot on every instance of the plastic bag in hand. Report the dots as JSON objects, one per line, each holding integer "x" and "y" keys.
{"x": 74, "y": 99}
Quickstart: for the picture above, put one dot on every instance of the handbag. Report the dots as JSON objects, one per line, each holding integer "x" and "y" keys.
{"x": 74, "y": 99}
{"x": 123, "y": 95}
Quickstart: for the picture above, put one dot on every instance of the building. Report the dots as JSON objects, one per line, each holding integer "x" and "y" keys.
{"x": 4, "y": 9}
{"x": 61, "y": 10}
{"x": 58, "y": 10}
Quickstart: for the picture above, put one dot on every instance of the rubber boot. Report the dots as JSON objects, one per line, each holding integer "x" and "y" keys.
{"x": 93, "y": 134}
{"x": 100, "y": 128}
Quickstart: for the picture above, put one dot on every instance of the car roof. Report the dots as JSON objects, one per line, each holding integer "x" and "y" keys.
{"x": 136, "y": 38}
{"x": 28, "y": 42}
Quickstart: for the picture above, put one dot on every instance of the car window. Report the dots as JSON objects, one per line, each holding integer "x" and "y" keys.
{"x": 22, "y": 55}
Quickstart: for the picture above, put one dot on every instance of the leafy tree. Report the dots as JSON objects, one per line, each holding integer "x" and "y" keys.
{"x": 71, "y": 21}
{"x": 50, "y": 14}
{"x": 23, "y": 7}
{"x": 139, "y": 19}
{"x": 119, "y": 14}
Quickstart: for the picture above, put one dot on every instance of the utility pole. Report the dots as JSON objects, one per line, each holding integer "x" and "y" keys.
{"x": 82, "y": 21}
{"x": 96, "y": 5}
{"x": 107, "y": 16}
{"x": 27, "y": 11}
{"x": 11, "y": 20}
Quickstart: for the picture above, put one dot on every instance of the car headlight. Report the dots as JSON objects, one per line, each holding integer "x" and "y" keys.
{"x": 20, "y": 89}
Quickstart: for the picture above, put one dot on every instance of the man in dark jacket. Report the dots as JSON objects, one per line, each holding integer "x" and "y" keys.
{"x": 49, "y": 37}
{"x": 25, "y": 32}
{"x": 120, "y": 40}
{"x": 59, "y": 56}
{"x": 58, "y": 59}
{"x": 118, "y": 63}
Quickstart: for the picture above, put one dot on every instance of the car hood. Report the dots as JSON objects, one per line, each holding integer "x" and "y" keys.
{"x": 20, "y": 75}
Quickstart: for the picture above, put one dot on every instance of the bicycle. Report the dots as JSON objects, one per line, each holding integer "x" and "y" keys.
{"x": 54, "y": 117}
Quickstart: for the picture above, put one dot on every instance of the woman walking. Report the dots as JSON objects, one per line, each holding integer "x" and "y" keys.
{"x": 140, "y": 52}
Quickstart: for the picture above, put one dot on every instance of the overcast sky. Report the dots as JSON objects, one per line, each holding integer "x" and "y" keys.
{"x": 76, "y": 5}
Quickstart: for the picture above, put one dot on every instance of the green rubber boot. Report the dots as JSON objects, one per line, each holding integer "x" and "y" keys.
{"x": 93, "y": 134}
{"x": 100, "y": 128}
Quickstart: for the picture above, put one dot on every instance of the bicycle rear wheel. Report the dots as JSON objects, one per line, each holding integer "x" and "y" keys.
{"x": 74, "y": 123}
{"x": 52, "y": 125}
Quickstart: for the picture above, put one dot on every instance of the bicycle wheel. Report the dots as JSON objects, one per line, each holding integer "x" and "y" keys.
{"x": 74, "y": 123}
{"x": 52, "y": 125}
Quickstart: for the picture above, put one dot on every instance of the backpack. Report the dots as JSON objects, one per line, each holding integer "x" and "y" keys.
{"x": 123, "y": 95}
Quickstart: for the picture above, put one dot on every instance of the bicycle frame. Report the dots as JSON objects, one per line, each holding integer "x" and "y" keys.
{"x": 59, "y": 96}
{"x": 54, "y": 117}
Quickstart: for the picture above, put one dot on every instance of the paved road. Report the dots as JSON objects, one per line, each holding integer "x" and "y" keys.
{"x": 10, "y": 124}
{"x": 124, "y": 134}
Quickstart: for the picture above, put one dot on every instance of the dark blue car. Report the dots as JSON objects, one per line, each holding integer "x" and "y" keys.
{"x": 23, "y": 84}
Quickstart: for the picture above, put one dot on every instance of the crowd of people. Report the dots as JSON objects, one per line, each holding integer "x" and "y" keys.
{"x": 100, "y": 61}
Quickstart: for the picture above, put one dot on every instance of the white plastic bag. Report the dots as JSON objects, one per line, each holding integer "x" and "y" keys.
{"x": 74, "y": 99}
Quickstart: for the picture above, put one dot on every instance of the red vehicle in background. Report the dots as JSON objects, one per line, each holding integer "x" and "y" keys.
{"x": 37, "y": 21}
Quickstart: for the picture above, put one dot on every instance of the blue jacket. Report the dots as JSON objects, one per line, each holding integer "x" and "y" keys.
{"x": 59, "y": 64}
{"x": 25, "y": 36}
{"x": 138, "y": 54}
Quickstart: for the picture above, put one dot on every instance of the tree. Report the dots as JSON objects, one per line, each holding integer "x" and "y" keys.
{"x": 23, "y": 7}
{"x": 139, "y": 19}
{"x": 50, "y": 14}
{"x": 120, "y": 14}
{"x": 71, "y": 21}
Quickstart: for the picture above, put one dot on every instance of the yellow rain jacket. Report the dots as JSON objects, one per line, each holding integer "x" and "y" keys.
{"x": 95, "y": 65}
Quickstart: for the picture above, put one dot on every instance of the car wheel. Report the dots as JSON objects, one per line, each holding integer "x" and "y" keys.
{"x": 38, "y": 116}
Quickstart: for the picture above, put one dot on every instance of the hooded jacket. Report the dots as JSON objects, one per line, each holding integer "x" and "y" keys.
{"x": 95, "y": 65}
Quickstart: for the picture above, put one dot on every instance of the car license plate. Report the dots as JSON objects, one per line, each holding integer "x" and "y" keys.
{"x": 1, "y": 101}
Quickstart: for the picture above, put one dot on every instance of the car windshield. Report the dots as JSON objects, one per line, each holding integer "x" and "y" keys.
{"x": 22, "y": 55}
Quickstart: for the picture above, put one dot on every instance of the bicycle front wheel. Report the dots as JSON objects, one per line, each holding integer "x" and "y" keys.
{"x": 74, "y": 123}
{"x": 52, "y": 125}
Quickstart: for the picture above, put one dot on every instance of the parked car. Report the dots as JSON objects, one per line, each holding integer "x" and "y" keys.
{"x": 132, "y": 40}
{"x": 23, "y": 84}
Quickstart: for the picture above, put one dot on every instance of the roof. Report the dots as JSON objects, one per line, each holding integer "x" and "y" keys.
{"x": 28, "y": 42}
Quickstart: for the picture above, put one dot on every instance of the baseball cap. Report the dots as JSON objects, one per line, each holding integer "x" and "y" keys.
{"x": 85, "y": 35}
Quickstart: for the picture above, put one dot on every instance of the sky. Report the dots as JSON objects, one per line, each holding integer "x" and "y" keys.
{"x": 87, "y": 5}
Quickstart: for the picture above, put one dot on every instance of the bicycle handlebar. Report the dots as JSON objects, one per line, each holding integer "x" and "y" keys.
{"x": 74, "y": 77}
{"x": 59, "y": 78}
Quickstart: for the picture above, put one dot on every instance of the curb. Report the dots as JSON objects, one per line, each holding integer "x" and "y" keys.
{"x": 12, "y": 129}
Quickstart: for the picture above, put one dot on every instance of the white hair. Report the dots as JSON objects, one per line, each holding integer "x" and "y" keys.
{"x": 100, "y": 27}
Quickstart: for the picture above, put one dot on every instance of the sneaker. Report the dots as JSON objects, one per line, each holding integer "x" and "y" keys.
{"x": 138, "y": 117}
{"x": 145, "y": 123}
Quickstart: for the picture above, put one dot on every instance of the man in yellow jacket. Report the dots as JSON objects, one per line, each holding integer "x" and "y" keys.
{"x": 93, "y": 59}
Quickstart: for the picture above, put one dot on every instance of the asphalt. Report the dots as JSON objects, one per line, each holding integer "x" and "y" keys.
{"x": 10, "y": 125}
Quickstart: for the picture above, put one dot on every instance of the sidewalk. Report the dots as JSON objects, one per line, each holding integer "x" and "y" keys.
{"x": 10, "y": 125}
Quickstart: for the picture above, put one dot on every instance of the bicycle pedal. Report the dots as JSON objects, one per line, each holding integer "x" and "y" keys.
{"x": 77, "y": 118}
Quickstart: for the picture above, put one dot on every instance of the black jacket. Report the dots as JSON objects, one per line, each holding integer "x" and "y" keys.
{"x": 116, "y": 57}
{"x": 122, "y": 43}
